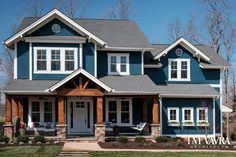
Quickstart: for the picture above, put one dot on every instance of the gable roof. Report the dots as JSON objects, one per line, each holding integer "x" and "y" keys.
{"x": 116, "y": 33}
{"x": 215, "y": 62}
{"x": 186, "y": 44}
{"x": 75, "y": 73}
{"x": 51, "y": 15}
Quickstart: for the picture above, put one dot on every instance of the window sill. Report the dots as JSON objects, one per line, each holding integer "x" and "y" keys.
{"x": 118, "y": 74}
{"x": 53, "y": 72}
{"x": 177, "y": 124}
{"x": 202, "y": 124}
{"x": 179, "y": 79}
{"x": 188, "y": 124}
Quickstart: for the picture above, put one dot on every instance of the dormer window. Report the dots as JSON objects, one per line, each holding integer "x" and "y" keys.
{"x": 179, "y": 70}
{"x": 118, "y": 64}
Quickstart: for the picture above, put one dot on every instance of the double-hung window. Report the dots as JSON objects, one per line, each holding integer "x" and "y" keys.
{"x": 202, "y": 115}
{"x": 35, "y": 111}
{"x": 187, "y": 116}
{"x": 119, "y": 111}
{"x": 173, "y": 116}
{"x": 53, "y": 60}
{"x": 179, "y": 69}
{"x": 118, "y": 64}
{"x": 48, "y": 112}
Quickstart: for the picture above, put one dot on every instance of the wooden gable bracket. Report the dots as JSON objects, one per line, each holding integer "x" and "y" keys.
{"x": 86, "y": 83}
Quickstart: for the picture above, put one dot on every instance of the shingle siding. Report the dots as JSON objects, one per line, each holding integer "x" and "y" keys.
{"x": 175, "y": 102}
{"x": 197, "y": 75}
{"x": 22, "y": 60}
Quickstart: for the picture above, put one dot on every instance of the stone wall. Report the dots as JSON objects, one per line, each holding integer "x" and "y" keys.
{"x": 100, "y": 132}
{"x": 61, "y": 132}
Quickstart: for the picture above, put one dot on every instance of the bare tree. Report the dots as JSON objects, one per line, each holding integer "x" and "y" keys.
{"x": 174, "y": 30}
{"x": 34, "y": 8}
{"x": 72, "y": 7}
{"x": 120, "y": 10}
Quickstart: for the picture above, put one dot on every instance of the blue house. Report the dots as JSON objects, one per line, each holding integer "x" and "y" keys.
{"x": 85, "y": 76}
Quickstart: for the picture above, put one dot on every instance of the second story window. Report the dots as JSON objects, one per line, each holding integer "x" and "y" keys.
{"x": 118, "y": 64}
{"x": 179, "y": 70}
{"x": 55, "y": 60}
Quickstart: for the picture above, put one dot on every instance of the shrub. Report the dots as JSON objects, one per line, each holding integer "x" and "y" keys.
{"x": 140, "y": 140}
{"x": 110, "y": 139}
{"x": 23, "y": 138}
{"x": 39, "y": 138}
{"x": 178, "y": 139}
{"x": 4, "y": 139}
{"x": 162, "y": 139}
{"x": 233, "y": 136}
{"x": 122, "y": 139}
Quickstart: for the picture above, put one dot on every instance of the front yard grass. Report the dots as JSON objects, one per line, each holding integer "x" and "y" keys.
{"x": 31, "y": 151}
{"x": 160, "y": 154}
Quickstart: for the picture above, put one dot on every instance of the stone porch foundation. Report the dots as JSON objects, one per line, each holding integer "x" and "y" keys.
{"x": 61, "y": 132}
{"x": 8, "y": 131}
{"x": 155, "y": 130}
{"x": 100, "y": 132}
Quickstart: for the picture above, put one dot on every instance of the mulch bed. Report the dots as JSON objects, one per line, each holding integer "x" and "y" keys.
{"x": 154, "y": 145}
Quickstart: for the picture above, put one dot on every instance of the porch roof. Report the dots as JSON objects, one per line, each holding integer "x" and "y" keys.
{"x": 187, "y": 90}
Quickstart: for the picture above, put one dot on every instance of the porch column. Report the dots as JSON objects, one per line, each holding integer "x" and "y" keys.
{"x": 8, "y": 127}
{"x": 61, "y": 127}
{"x": 21, "y": 110}
{"x": 100, "y": 127}
{"x": 155, "y": 131}
{"x": 15, "y": 108}
{"x": 145, "y": 110}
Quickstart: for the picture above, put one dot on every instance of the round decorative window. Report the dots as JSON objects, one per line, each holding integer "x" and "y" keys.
{"x": 56, "y": 28}
{"x": 178, "y": 52}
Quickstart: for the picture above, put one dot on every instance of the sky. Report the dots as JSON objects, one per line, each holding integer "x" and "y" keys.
{"x": 152, "y": 16}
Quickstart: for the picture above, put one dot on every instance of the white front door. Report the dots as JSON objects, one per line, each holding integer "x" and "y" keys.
{"x": 80, "y": 115}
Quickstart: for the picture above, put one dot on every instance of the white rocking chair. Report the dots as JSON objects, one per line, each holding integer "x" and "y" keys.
{"x": 139, "y": 127}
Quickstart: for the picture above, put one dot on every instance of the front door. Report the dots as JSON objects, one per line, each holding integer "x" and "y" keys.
{"x": 80, "y": 116}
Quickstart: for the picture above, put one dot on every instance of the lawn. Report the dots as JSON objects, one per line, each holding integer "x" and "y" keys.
{"x": 31, "y": 151}
{"x": 159, "y": 154}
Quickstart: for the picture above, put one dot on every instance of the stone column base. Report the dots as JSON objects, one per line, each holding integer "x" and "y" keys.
{"x": 61, "y": 132}
{"x": 100, "y": 132}
{"x": 8, "y": 131}
{"x": 155, "y": 130}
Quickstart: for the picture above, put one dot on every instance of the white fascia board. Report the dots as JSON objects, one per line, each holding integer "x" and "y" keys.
{"x": 48, "y": 15}
{"x": 131, "y": 93}
{"x": 28, "y": 39}
{"x": 75, "y": 73}
{"x": 188, "y": 96}
{"x": 187, "y": 43}
{"x": 214, "y": 67}
{"x": 28, "y": 92}
{"x": 107, "y": 48}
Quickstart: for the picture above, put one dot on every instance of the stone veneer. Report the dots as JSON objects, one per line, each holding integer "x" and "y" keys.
{"x": 155, "y": 130}
{"x": 8, "y": 131}
{"x": 61, "y": 132}
{"x": 100, "y": 132}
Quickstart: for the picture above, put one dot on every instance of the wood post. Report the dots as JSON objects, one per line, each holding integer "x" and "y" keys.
{"x": 21, "y": 110}
{"x": 61, "y": 112}
{"x": 155, "y": 111}
{"x": 145, "y": 110}
{"x": 15, "y": 107}
{"x": 99, "y": 110}
{"x": 8, "y": 108}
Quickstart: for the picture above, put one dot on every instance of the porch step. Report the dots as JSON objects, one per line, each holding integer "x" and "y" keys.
{"x": 82, "y": 139}
{"x": 73, "y": 154}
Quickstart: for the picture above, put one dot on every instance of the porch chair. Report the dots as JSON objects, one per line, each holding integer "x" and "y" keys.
{"x": 139, "y": 127}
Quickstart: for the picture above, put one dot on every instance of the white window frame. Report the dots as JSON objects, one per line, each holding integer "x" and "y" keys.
{"x": 41, "y": 108}
{"x": 48, "y": 59}
{"x": 188, "y": 122}
{"x": 206, "y": 114}
{"x": 118, "y": 64}
{"x": 178, "y": 60}
{"x": 177, "y": 114}
{"x": 118, "y": 113}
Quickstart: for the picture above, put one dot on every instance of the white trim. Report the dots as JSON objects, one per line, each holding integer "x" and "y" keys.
{"x": 75, "y": 73}
{"x": 191, "y": 121}
{"x": 179, "y": 61}
{"x": 142, "y": 60}
{"x": 188, "y": 96}
{"x": 221, "y": 103}
{"x": 29, "y": 92}
{"x": 215, "y": 85}
{"x": 118, "y": 112}
{"x": 30, "y": 61}
{"x": 81, "y": 55}
{"x": 214, "y": 113}
{"x": 205, "y": 122}
{"x": 214, "y": 66}
{"x": 51, "y": 15}
{"x": 160, "y": 101}
{"x": 62, "y": 60}
{"x": 70, "y": 41}
{"x": 15, "y": 62}
{"x": 185, "y": 44}
{"x": 173, "y": 122}
{"x": 41, "y": 108}
{"x": 95, "y": 60}
{"x": 118, "y": 63}
{"x": 108, "y": 48}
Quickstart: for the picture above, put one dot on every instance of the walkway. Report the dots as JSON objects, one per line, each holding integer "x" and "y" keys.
{"x": 93, "y": 146}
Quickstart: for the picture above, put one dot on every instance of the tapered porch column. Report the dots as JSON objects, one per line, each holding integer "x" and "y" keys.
{"x": 155, "y": 131}
{"x": 21, "y": 111}
{"x": 8, "y": 127}
{"x": 61, "y": 127}
{"x": 15, "y": 108}
{"x": 100, "y": 127}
